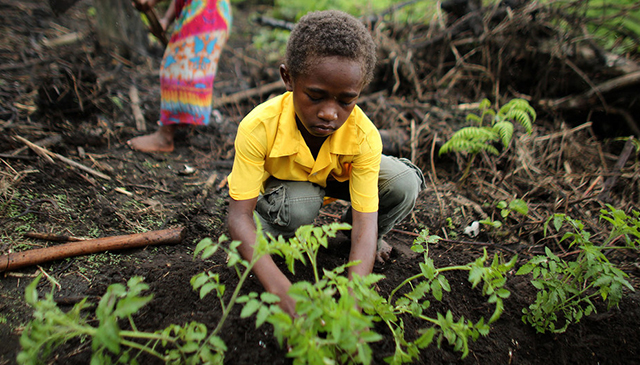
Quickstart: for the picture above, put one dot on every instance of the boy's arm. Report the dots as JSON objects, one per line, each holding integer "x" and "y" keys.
{"x": 364, "y": 238}
{"x": 242, "y": 228}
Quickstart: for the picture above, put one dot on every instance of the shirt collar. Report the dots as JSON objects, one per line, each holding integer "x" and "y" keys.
{"x": 289, "y": 139}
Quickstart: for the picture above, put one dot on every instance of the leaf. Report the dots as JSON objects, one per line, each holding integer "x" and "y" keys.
{"x": 218, "y": 343}
{"x": 519, "y": 206}
{"x": 209, "y": 251}
{"x": 130, "y": 305}
{"x": 206, "y": 242}
{"x": 436, "y": 290}
{"x": 525, "y": 269}
{"x": 250, "y": 308}
{"x": 263, "y": 314}
{"x": 426, "y": 338}
{"x": 505, "y": 131}
{"x": 31, "y": 292}
{"x": 108, "y": 335}
{"x": 199, "y": 280}
{"x": 207, "y": 288}
{"x": 269, "y": 298}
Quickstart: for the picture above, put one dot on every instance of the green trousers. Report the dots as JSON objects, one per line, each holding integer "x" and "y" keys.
{"x": 287, "y": 205}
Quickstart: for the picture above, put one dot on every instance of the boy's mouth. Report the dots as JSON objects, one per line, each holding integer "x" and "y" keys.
{"x": 323, "y": 130}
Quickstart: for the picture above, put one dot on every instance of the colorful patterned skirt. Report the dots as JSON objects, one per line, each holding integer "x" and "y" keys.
{"x": 191, "y": 60}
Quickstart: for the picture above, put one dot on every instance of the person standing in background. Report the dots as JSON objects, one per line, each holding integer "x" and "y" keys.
{"x": 188, "y": 67}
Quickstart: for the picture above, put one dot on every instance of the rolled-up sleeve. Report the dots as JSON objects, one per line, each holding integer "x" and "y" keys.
{"x": 247, "y": 174}
{"x": 363, "y": 186}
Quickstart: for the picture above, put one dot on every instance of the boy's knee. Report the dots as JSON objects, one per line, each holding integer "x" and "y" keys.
{"x": 287, "y": 206}
{"x": 402, "y": 182}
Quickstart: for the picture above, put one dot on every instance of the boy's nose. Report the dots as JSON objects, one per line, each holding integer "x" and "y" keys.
{"x": 328, "y": 113}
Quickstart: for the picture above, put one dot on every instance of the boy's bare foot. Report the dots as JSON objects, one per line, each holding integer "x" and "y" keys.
{"x": 160, "y": 141}
{"x": 384, "y": 252}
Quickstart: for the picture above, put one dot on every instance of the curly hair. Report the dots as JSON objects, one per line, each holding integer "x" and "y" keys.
{"x": 330, "y": 33}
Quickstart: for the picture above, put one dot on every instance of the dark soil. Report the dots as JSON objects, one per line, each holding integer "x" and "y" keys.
{"x": 159, "y": 194}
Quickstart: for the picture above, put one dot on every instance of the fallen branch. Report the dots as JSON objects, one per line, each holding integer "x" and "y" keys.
{"x": 45, "y": 142}
{"x": 604, "y": 195}
{"x": 247, "y": 94}
{"x": 135, "y": 108}
{"x": 52, "y": 237}
{"x": 19, "y": 260}
{"x": 64, "y": 40}
{"x": 48, "y": 155}
{"x": 584, "y": 98}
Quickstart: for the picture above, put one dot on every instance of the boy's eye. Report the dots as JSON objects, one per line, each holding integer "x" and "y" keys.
{"x": 314, "y": 97}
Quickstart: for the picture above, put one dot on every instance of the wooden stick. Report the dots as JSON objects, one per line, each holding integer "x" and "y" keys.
{"x": 52, "y": 237}
{"x": 617, "y": 170}
{"x": 584, "y": 98}
{"x": 246, "y": 94}
{"x": 45, "y": 142}
{"x": 18, "y": 260}
{"x": 48, "y": 155}
{"x": 135, "y": 108}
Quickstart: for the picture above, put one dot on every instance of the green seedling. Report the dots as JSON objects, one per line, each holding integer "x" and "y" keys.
{"x": 190, "y": 343}
{"x": 330, "y": 329}
{"x": 567, "y": 289}
{"x": 516, "y": 205}
{"x": 334, "y": 318}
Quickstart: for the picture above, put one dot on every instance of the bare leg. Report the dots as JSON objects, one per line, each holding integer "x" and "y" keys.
{"x": 159, "y": 141}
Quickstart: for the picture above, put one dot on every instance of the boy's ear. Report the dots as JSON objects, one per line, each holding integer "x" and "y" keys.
{"x": 286, "y": 77}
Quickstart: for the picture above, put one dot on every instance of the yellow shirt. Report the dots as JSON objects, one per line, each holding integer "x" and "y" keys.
{"x": 269, "y": 143}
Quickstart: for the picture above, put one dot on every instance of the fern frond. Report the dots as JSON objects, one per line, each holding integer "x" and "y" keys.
{"x": 505, "y": 130}
{"x": 485, "y": 104}
{"x": 465, "y": 145}
{"x": 521, "y": 117}
{"x": 479, "y": 134}
{"x": 475, "y": 118}
{"x": 520, "y": 111}
{"x": 472, "y": 140}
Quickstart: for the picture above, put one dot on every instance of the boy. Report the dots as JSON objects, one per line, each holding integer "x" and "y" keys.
{"x": 313, "y": 141}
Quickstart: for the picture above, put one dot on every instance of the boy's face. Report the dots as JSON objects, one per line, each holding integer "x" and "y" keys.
{"x": 325, "y": 95}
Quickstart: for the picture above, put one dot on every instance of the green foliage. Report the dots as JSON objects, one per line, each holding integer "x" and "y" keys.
{"x": 491, "y": 127}
{"x": 334, "y": 315}
{"x": 615, "y": 23}
{"x": 432, "y": 282}
{"x": 516, "y": 205}
{"x": 329, "y": 328}
{"x": 183, "y": 344}
{"x": 295, "y": 9}
{"x": 272, "y": 42}
{"x": 566, "y": 288}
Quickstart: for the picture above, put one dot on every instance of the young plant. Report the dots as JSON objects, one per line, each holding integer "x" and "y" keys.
{"x": 492, "y": 126}
{"x": 415, "y": 302}
{"x": 516, "y": 205}
{"x": 51, "y": 327}
{"x": 191, "y": 343}
{"x": 566, "y": 288}
{"x": 329, "y": 328}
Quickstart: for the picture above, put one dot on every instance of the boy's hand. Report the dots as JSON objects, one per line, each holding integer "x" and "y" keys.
{"x": 242, "y": 228}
